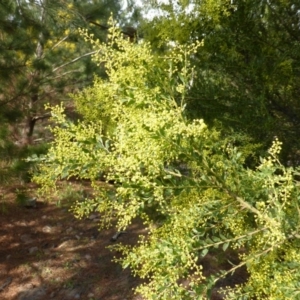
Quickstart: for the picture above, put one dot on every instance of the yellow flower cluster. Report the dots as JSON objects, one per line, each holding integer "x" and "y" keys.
{"x": 189, "y": 187}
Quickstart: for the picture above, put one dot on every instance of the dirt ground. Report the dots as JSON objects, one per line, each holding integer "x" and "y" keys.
{"x": 46, "y": 253}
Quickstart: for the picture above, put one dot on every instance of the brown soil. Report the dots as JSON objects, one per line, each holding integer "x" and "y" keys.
{"x": 48, "y": 254}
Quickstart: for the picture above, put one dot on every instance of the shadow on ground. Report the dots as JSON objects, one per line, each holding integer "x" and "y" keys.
{"x": 48, "y": 254}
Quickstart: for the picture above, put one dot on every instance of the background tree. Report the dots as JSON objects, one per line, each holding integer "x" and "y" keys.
{"x": 247, "y": 71}
{"x": 43, "y": 59}
{"x": 42, "y": 56}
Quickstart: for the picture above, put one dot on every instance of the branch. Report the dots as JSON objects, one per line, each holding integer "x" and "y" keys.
{"x": 63, "y": 74}
{"x": 130, "y": 31}
{"x": 216, "y": 179}
{"x": 74, "y": 60}
{"x": 59, "y": 42}
{"x": 99, "y": 25}
{"x": 45, "y": 116}
{"x": 230, "y": 240}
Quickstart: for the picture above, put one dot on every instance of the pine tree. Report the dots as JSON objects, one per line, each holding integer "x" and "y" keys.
{"x": 42, "y": 56}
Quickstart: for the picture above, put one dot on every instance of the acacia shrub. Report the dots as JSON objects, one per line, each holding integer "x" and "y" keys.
{"x": 216, "y": 203}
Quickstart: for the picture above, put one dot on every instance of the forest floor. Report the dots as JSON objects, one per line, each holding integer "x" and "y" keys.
{"x": 46, "y": 253}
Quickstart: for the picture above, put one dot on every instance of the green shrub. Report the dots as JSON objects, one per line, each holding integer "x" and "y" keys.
{"x": 182, "y": 172}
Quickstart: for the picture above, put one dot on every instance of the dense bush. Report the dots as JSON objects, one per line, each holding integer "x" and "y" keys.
{"x": 185, "y": 181}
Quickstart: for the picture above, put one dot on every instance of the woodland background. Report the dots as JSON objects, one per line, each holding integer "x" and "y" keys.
{"x": 243, "y": 82}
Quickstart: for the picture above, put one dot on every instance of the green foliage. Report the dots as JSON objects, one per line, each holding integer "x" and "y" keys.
{"x": 21, "y": 197}
{"x": 20, "y": 167}
{"x": 185, "y": 181}
{"x": 68, "y": 194}
{"x": 14, "y": 166}
{"x": 43, "y": 58}
{"x": 247, "y": 70}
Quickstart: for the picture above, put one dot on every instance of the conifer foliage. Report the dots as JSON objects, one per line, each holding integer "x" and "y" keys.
{"x": 41, "y": 56}
{"x": 248, "y": 68}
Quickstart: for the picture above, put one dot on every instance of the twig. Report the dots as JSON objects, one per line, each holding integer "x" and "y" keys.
{"x": 117, "y": 235}
{"x": 74, "y": 60}
{"x": 59, "y": 42}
